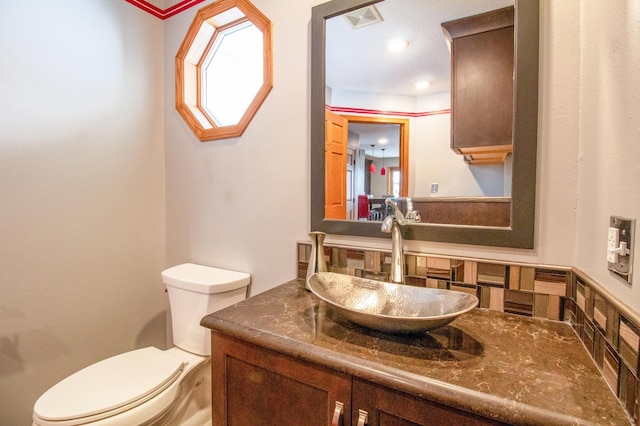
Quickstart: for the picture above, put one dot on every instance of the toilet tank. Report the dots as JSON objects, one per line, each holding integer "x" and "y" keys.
{"x": 196, "y": 291}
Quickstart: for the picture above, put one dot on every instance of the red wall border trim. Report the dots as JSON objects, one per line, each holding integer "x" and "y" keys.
{"x": 350, "y": 110}
{"x": 166, "y": 13}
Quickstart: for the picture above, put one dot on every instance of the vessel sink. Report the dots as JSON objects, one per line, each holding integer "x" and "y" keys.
{"x": 388, "y": 307}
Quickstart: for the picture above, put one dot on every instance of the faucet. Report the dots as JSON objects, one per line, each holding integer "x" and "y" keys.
{"x": 392, "y": 224}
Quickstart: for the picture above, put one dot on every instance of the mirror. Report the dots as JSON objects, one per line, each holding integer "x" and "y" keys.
{"x": 519, "y": 231}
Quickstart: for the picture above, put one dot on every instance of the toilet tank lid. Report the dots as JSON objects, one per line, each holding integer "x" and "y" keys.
{"x": 204, "y": 279}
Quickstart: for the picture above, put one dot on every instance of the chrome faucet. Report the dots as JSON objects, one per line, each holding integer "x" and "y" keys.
{"x": 392, "y": 224}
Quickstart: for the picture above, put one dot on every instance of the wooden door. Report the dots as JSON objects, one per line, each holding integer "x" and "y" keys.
{"x": 335, "y": 166}
{"x": 386, "y": 407}
{"x": 255, "y": 386}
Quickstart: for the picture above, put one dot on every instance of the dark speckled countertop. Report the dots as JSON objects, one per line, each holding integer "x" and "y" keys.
{"x": 514, "y": 369}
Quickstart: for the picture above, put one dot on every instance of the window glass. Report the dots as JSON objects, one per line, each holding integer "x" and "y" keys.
{"x": 395, "y": 182}
{"x": 233, "y": 73}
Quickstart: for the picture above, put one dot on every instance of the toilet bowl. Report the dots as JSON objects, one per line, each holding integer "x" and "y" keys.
{"x": 150, "y": 386}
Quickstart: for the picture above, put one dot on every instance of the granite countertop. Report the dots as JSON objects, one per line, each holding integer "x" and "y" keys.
{"x": 510, "y": 368}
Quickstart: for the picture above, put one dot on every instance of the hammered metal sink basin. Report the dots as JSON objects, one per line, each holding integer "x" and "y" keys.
{"x": 392, "y": 308}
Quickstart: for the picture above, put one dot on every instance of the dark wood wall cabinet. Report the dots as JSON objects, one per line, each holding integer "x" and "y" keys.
{"x": 482, "y": 81}
{"x": 257, "y": 386}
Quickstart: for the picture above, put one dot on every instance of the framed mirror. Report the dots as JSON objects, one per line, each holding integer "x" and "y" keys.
{"x": 519, "y": 168}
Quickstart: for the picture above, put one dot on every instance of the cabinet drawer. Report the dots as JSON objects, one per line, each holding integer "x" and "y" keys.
{"x": 386, "y": 407}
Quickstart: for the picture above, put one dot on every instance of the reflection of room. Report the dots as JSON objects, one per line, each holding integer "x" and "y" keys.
{"x": 374, "y": 150}
{"x": 364, "y": 141}
{"x": 438, "y": 179}
{"x": 431, "y": 159}
{"x": 354, "y": 86}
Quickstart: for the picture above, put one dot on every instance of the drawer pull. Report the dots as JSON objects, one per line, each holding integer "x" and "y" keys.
{"x": 363, "y": 418}
{"x": 337, "y": 414}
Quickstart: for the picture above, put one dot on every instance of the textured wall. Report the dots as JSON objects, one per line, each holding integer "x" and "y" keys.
{"x": 609, "y": 128}
{"x": 241, "y": 203}
{"x": 81, "y": 190}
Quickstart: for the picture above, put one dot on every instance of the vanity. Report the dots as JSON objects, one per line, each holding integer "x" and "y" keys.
{"x": 285, "y": 357}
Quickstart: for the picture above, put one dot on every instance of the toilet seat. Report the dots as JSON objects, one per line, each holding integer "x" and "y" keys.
{"x": 109, "y": 387}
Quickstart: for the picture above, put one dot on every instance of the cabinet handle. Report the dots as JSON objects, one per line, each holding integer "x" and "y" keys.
{"x": 363, "y": 418}
{"x": 337, "y": 413}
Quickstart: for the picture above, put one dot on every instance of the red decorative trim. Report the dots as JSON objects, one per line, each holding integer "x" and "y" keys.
{"x": 166, "y": 13}
{"x": 351, "y": 110}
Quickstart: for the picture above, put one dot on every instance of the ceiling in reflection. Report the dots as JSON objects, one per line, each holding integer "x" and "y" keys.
{"x": 358, "y": 59}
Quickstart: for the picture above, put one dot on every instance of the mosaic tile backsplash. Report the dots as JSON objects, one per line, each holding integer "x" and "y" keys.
{"x": 610, "y": 336}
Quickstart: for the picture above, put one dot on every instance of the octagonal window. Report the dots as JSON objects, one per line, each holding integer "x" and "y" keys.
{"x": 223, "y": 69}
{"x": 233, "y": 73}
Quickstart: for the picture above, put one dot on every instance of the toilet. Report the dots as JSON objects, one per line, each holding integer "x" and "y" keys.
{"x": 150, "y": 386}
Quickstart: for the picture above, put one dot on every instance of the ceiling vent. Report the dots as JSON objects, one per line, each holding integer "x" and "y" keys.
{"x": 363, "y": 17}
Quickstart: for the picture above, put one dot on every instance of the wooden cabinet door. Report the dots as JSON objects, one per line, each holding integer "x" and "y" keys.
{"x": 254, "y": 386}
{"x": 482, "y": 71}
{"x": 483, "y": 89}
{"x": 386, "y": 407}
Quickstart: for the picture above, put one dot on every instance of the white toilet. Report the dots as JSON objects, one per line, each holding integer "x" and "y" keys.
{"x": 150, "y": 386}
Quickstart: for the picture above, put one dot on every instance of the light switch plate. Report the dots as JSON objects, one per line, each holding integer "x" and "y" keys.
{"x": 620, "y": 241}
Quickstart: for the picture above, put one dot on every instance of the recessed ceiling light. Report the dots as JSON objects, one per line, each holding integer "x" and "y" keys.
{"x": 383, "y": 141}
{"x": 421, "y": 85}
{"x": 397, "y": 44}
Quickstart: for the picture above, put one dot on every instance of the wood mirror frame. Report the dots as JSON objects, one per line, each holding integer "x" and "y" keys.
{"x": 525, "y": 134}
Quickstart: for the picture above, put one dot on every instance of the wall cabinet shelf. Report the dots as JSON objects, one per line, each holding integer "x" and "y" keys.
{"x": 253, "y": 385}
{"x": 482, "y": 72}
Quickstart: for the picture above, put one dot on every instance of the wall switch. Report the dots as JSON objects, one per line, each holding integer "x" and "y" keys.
{"x": 620, "y": 246}
{"x": 613, "y": 242}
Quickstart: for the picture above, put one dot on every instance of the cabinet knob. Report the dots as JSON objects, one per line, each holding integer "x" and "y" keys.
{"x": 337, "y": 414}
{"x": 363, "y": 418}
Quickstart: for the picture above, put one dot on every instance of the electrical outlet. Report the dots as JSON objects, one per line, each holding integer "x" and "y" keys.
{"x": 434, "y": 188}
{"x": 620, "y": 240}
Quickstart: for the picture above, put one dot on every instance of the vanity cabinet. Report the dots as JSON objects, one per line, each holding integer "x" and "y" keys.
{"x": 482, "y": 81}
{"x": 256, "y": 386}
{"x": 387, "y": 407}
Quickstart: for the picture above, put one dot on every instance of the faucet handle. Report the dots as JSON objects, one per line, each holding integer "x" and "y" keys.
{"x": 413, "y": 216}
{"x": 397, "y": 213}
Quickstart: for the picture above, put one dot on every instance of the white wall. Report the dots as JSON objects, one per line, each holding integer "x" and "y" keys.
{"x": 82, "y": 221}
{"x": 241, "y": 203}
{"x": 195, "y": 170}
{"x": 609, "y": 149}
{"x": 431, "y": 160}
